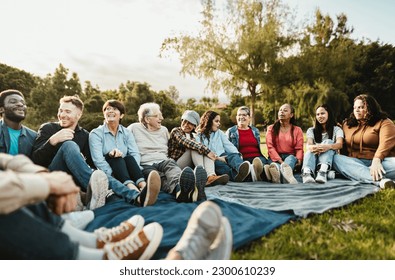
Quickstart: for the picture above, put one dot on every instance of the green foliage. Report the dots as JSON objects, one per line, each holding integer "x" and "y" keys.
{"x": 360, "y": 231}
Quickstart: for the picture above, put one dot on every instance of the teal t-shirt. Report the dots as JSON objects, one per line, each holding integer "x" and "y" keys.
{"x": 14, "y": 139}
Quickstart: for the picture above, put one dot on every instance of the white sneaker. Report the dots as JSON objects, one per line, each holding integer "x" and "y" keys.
{"x": 97, "y": 190}
{"x": 252, "y": 172}
{"x": 288, "y": 174}
{"x": 79, "y": 219}
{"x": 321, "y": 177}
{"x": 202, "y": 229}
{"x": 386, "y": 183}
{"x": 267, "y": 172}
{"x": 243, "y": 172}
{"x": 137, "y": 246}
{"x": 307, "y": 178}
{"x": 221, "y": 248}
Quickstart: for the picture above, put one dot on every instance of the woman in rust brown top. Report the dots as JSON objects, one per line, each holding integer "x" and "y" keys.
{"x": 370, "y": 141}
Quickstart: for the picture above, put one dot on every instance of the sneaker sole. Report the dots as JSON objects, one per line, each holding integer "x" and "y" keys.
{"x": 187, "y": 184}
{"x": 288, "y": 175}
{"x": 258, "y": 168}
{"x": 244, "y": 170}
{"x": 267, "y": 172}
{"x": 99, "y": 189}
{"x": 155, "y": 240}
{"x": 153, "y": 188}
{"x": 274, "y": 174}
{"x": 222, "y": 180}
{"x": 200, "y": 183}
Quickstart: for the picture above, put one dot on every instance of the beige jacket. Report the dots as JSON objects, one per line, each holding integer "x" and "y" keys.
{"x": 19, "y": 185}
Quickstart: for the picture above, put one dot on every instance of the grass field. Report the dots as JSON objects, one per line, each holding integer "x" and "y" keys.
{"x": 364, "y": 230}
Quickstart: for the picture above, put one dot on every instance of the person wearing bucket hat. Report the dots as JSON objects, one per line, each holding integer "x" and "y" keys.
{"x": 184, "y": 149}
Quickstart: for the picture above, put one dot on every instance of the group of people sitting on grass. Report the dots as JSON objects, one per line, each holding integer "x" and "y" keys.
{"x": 76, "y": 171}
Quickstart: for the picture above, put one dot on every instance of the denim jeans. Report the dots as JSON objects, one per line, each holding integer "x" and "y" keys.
{"x": 231, "y": 167}
{"x": 169, "y": 172}
{"x": 69, "y": 159}
{"x": 357, "y": 169}
{"x": 291, "y": 160}
{"x": 126, "y": 169}
{"x": 33, "y": 232}
{"x": 311, "y": 161}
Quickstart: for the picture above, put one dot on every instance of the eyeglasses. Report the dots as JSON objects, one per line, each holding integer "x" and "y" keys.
{"x": 156, "y": 115}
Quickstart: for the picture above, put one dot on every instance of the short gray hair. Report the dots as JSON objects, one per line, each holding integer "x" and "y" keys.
{"x": 146, "y": 110}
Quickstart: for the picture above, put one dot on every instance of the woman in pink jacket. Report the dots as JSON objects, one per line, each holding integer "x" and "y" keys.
{"x": 284, "y": 142}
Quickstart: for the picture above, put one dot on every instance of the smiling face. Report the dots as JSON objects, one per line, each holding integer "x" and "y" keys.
{"x": 285, "y": 113}
{"x": 243, "y": 118}
{"x": 14, "y": 108}
{"x": 112, "y": 115}
{"x": 154, "y": 121}
{"x": 216, "y": 123}
{"x": 69, "y": 115}
{"x": 186, "y": 126}
{"x": 321, "y": 115}
{"x": 360, "y": 109}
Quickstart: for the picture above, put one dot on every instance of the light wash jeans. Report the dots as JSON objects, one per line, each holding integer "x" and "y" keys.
{"x": 34, "y": 232}
{"x": 357, "y": 169}
{"x": 291, "y": 160}
{"x": 312, "y": 161}
{"x": 69, "y": 159}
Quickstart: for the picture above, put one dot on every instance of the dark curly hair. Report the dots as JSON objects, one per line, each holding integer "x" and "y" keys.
{"x": 374, "y": 114}
{"x": 330, "y": 124}
{"x": 206, "y": 123}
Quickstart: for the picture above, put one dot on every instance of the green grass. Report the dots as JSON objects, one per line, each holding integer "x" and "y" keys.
{"x": 363, "y": 230}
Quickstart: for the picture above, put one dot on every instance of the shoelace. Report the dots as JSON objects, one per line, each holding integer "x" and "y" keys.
{"x": 127, "y": 246}
{"x": 195, "y": 242}
{"x": 106, "y": 235}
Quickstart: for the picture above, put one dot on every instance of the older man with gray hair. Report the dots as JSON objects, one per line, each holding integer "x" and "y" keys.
{"x": 152, "y": 140}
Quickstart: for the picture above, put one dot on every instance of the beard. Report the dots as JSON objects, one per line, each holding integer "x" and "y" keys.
{"x": 14, "y": 117}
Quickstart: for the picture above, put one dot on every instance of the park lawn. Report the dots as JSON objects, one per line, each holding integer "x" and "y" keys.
{"x": 362, "y": 230}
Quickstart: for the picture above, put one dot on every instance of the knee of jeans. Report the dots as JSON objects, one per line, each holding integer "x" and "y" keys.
{"x": 70, "y": 146}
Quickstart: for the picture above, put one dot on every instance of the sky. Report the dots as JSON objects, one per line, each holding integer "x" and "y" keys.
{"x": 111, "y": 41}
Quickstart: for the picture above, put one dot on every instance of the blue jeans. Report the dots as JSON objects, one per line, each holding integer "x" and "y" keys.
{"x": 126, "y": 169}
{"x": 311, "y": 161}
{"x": 357, "y": 169}
{"x": 231, "y": 167}
{"x": 169, "y": 172}
{"x": 69, "y": 159}
{"x": 33, "y": 232}
{"x": 291, "y": 160}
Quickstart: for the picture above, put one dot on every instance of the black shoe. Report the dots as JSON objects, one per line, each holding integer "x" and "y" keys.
{"x": 200, "y": 182}
{"x": 187, "y": 185}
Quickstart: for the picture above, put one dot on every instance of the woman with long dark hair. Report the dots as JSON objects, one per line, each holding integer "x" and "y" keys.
{"x": 370, "y": 143}
{"x": 323, "y": 140}
{"x": 228, "y": 160}
{"x": 284, "y": 140}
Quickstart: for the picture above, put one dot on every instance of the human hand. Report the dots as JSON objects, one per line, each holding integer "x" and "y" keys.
{"x": 60, "y": 204}
{"x": 212, "y": 156}
{"x": 115, "y": 153}
{"x": 60, "y": 183}
{"x": 223, "y": 159}
{"x": 61, "y": 136}
{"x": 376, "y": 169}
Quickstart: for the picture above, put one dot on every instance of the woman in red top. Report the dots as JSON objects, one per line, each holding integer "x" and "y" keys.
{"x": 284, "y": 142}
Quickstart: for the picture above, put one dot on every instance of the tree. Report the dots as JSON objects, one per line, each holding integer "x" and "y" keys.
{"x": 235, "y": 50}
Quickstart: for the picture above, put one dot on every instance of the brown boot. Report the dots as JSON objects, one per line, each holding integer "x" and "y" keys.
{"x": 214, "y": 180}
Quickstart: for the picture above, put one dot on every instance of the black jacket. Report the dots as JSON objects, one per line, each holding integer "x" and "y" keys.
{"x": 44, "y": 152}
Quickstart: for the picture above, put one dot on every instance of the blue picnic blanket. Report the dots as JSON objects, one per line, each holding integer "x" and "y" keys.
{"x": 254, "y": 209}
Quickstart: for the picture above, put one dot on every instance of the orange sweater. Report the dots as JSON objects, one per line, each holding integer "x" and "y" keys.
{"x": 370, "y": 142}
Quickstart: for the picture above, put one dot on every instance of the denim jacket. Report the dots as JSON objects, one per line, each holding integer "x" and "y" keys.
{"x": 233, "y": 135}
{"x": 25, "y": 142}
